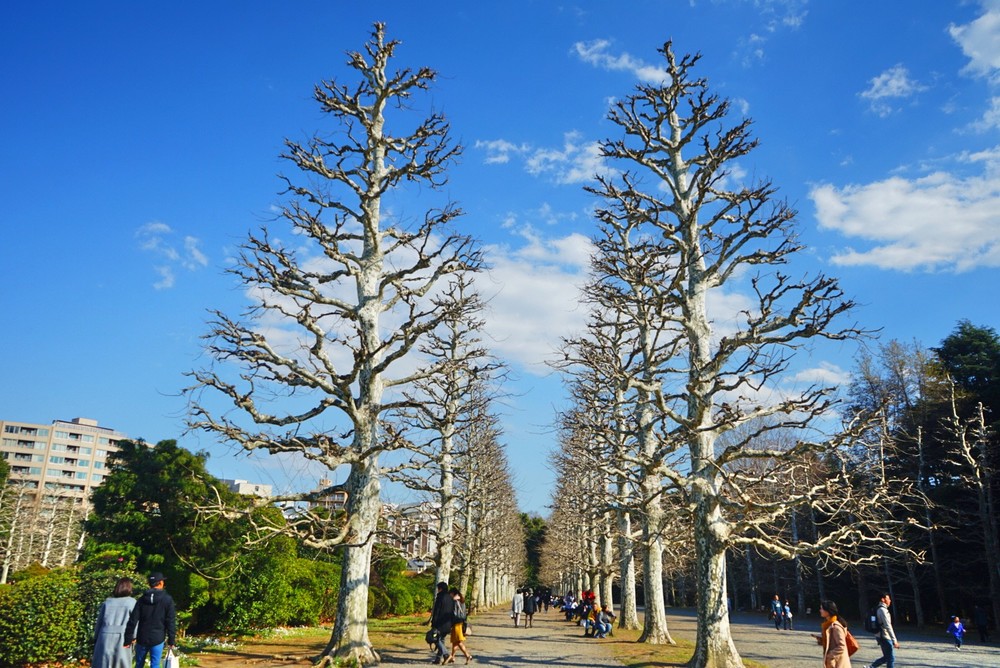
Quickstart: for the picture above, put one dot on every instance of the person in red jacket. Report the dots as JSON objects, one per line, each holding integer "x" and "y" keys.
{"x": 152, "y": 623}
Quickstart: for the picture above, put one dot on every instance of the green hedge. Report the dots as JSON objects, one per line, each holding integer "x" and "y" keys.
{"x": 40, "y": 620}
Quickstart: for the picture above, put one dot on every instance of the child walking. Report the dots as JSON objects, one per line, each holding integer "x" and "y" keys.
{"x": 957, "y": 630}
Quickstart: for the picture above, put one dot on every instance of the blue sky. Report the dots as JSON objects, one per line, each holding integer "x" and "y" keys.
{"x": 140, "y": 143}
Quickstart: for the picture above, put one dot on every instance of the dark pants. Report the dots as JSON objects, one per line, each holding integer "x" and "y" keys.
{"x": 888, "y": 654}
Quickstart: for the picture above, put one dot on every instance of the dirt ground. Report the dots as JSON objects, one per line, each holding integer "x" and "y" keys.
{"x": 493, "y": 642}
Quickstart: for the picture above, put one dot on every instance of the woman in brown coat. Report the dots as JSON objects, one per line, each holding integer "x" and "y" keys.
{"x": 833, "y": 638}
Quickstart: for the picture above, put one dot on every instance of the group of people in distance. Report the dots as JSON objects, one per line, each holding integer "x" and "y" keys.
{"x": 597, "y": 620}
{"x": 781, "y": 614}
{"x": 449, "y": 619}
{"x": 124, "y": 623}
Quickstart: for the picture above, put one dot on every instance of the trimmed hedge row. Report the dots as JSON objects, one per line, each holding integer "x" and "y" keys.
{"x": 49, "y": 616}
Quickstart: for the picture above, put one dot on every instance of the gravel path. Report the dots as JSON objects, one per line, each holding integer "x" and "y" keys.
{"x": 554, "y": 642}
{"x": 757, "y": 639}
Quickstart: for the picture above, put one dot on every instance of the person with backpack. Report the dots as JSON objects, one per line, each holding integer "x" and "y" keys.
{"x": 833, "y": 637}
{"x": 886, "y": 635}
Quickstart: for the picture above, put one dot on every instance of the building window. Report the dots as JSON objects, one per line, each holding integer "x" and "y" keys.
{"x": 81, "y": 475}
{"x": 96, "y": 477}
{"x": 56, "y": 460}
{"x": 62, "y": 434}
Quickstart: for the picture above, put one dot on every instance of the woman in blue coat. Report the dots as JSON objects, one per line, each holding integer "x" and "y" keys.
{"x": 109, "y": 631}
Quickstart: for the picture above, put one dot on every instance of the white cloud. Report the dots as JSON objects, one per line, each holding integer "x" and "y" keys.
{"x": 576, "y": 161}
{"x": 990, "y": 119}
{"x": 499, "y": 151}
{"x": 980, "y": 41}
{"x": 938, "y": 222}
{"x": 156, "y": 238}
{"x": 892, "y": 85}
{"x": 167, "y": 278}
{"x": 597, "y": 54}
{"x": 826, "y": 374}
{"x": 534, "y": 296}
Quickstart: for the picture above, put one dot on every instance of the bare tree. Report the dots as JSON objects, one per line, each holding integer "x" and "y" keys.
{"x": 442, "y": 405}
{"x": 491, "y": 556}
{"x": 971, "y": 461}
{"x": 666, "y": 246}
{"x": 331, "y": 337}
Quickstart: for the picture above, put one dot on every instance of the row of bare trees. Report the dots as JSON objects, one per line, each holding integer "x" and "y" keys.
{"x": 46, "y": 531}
{"x": 360, "y": 351}
{"x": 686, "y": 441}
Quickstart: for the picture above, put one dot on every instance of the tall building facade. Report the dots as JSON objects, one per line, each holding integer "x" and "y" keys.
{"x": 58, "y": 461}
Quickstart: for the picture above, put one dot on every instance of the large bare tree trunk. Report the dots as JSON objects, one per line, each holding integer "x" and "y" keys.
{"x": 714, "y": 646}
{"x": 628, "y": 616}
{"x": 349, "y": 639}
{"x": 654, "y": 623}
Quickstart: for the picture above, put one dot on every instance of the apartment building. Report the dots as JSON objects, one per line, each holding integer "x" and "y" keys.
{"x": 247, "y": 488}
{"x": 65, "y": 459}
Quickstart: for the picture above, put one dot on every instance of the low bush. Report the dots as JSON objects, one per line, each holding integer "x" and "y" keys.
{"x": 40, "y": 620}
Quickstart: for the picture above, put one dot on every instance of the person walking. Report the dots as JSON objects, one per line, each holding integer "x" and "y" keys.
{"x": 110, "y": 648}
{"x": 530, "y": 607}
{"x": 957, "y": 631}
{"x": 886, "y": 635}
{"x": 833, "y": 637}
{"x": 152, "y": 622}
{"x": 517, "y": 606}
{"x": 982, "y": 621}
{"x": 442, "y": 620}
{"x": 458, "y": 627}
{"x": 787, "y": 615}
{"x": 776, "y": 612}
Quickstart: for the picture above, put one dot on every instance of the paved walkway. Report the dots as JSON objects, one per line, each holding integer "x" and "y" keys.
{"x": 554, "y": 642}
{"x": 757, "y": 639}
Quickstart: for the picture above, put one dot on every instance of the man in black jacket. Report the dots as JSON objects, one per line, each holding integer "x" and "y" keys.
{"x": 442, "y": 619}
{"x": 156, "y": 617}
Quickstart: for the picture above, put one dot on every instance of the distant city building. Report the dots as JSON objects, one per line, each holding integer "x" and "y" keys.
{"x": 65, "y": 459}
{"x": 334, "y": 502}
{"x": 410, "y": 528}
{"x": 247, "y": 488}
{"x": 53, "y": 468}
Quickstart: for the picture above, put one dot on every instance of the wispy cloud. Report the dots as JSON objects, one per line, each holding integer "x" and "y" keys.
{"x": 890, "y": 87}
{"x": 576, "y": 161}
{"x": 499, "y": 151}
{"x": 160, "y": 240}
{"x": 598, "y": 54}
